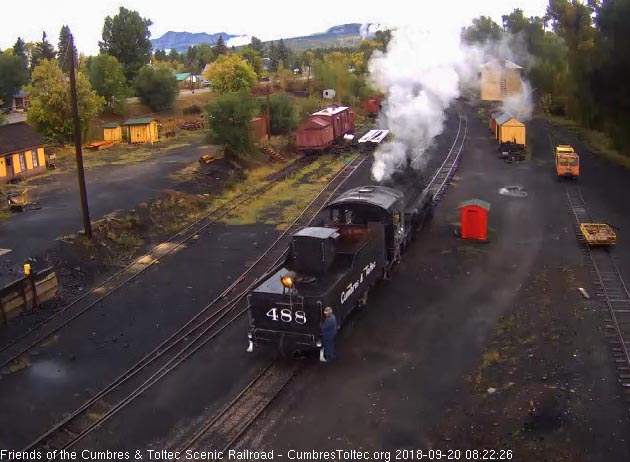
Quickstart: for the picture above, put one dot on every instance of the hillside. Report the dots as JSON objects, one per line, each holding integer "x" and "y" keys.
{"x": 337, "y": 36}
{"x": 180, "y": 41}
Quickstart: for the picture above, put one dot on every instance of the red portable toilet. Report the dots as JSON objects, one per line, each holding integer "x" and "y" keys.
{"x": 474, "y": 219}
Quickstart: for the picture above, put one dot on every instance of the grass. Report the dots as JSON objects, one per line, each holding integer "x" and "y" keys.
{"x": 597, "y": 141}
{"x": 121, "y": 154}
{"x": 286, "y": 200}
{"x": 5, "y": 214}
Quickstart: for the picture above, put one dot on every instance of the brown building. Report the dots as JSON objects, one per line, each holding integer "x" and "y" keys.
{"x": 500, "y": 79}
{"x": 21, "y": 152}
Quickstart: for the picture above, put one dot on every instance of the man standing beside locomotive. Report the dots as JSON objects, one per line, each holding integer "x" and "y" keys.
{"x": 329, "y": 332}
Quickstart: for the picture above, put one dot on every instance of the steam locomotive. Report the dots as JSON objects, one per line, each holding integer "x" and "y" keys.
{"x": 356, "y": 242}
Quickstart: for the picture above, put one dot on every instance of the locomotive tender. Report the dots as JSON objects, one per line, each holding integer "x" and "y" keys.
{"x": 363, "y": 234}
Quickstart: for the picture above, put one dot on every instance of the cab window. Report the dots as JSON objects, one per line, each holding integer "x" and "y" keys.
{"x": 573, "y": 162}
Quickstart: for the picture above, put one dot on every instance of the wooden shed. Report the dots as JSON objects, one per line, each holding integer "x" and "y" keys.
{"x": 509, "y": 128}
{"x": 21, "y": 152}
{"x": 142, "y": 130}
{"x": 474, "y": 219}
{"x": 112, "y": 132}
{"x": 500, "y": 79}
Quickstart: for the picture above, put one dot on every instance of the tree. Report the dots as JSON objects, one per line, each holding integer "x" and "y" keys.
{"x": 230, "y": 73}
{"x": 283, "y": 116}
{"x": 157, "y": 87}
{"x": 383, "y": 37}
{"x": 220, "y": 48}
{"x": 572, "y": 20}
{"x": 12, "y": 76}
{"x": 257, "y": 45}
{"x": 42, "y": 50}
{"x": 126, "y": 36}
{"x": 64, "y": 41}
{"x": 19, "y": 50}
{"x": 612, "y": 73}
{"x": 50, "y": 109}
{"x": 229, "y": 120}
{"x": 253, "y": 58}
{"x": 160, "y": 55}
{"x": 482, "y": 30}
{"x": 173, "y": 55}
{"x": 108, "y": 80}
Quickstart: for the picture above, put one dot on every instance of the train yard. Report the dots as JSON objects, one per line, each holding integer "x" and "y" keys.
{"x": 405, "y": 361}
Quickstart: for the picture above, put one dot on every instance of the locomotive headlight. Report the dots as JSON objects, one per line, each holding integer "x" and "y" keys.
{"x": 288, "y": 280}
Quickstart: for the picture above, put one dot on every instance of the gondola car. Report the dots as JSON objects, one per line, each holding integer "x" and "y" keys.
{"x": 361, "y": 237}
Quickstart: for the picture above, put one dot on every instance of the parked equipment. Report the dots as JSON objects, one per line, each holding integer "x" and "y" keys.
{"x": 567, "y": 162}
{"x": 362, "y": 236}
{"x": 598, "y": 234}
{"x": 18, "y": 203}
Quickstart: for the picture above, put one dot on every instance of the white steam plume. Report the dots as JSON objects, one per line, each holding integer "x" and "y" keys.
{"x": 421, "y": 73}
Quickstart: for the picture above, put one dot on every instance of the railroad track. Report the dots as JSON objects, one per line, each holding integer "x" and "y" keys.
{"x": 182, "y": 344}
{"x": 81, "y": 305}
{"x": 224, "y": 429}
{"x": 440, "y": 182}
{"x": 610, "y": 289}
{"x": 229, "y": 424}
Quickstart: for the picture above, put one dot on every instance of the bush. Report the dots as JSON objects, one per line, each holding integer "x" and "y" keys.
{"x": 156, "y": 87}
{"x": 284, "y": 118}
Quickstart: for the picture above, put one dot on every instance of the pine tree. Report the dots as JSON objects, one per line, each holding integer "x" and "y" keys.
{"x": 42, "y": 50}
{"x": 64, "y": 40}
{"x": 220, "y": 48}
{"x": 19, "y": 50}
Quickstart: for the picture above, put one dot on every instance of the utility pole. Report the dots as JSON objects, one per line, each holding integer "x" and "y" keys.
{"x": 268, "y": 118}
{"x": 87, "y": 225}
{"x": 339, "y": 90}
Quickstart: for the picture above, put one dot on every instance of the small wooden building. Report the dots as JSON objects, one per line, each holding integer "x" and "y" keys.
{"x": 142, "y": 130}
{"x": 500, "y": 79}
{"x": 112, "y": 132}
{"x": 20, "y": 101}
{"x": 474, "y": 219}
{"x": 510, "y": 129}
{"x": 21, "y": 152}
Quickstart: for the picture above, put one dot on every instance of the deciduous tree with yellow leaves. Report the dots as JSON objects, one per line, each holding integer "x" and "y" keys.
{"x": 230, "y": 73}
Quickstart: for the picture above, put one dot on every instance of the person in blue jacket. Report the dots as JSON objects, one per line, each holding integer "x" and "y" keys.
{"x": 329, "y": 332}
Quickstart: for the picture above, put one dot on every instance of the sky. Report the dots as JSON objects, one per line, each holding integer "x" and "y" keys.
{"x": 268, "y": 20}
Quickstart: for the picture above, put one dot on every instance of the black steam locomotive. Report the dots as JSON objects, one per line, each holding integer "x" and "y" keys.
{"x": 360, "y": 238}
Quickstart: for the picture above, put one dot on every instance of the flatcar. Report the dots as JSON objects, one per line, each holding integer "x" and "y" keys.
{"x": 360, "y": 238}
{"x": 324, "y": 128}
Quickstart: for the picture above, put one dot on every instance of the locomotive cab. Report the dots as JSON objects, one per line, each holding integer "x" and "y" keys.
{"x": 332, "y": 265}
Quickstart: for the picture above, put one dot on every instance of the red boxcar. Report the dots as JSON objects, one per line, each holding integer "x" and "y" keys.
{"x": 323, "y": 128}
{"x": 371, "y": 107}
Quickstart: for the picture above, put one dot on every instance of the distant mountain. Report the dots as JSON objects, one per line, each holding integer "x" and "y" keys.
{"x": 337, "y": 36}
{"x": 180, "y": 41}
